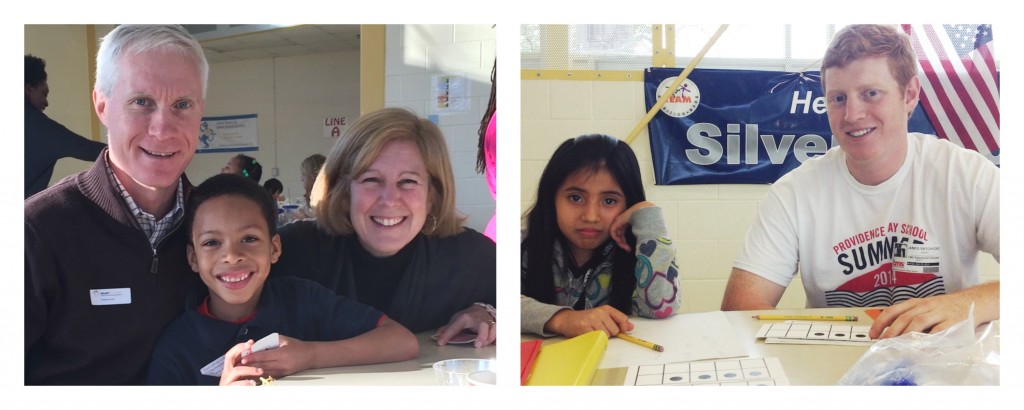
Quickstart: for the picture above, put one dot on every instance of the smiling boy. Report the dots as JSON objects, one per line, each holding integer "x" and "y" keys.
{"x": 234, "y": 242}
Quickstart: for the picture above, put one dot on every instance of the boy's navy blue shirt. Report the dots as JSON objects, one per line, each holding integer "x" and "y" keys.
{"x": 293, "y": 307}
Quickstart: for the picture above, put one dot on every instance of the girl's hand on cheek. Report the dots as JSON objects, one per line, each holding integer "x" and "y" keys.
{"x": 618, "y": 227}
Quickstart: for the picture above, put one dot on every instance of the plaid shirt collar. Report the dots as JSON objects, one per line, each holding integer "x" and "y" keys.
{"x": 155, "y": 229}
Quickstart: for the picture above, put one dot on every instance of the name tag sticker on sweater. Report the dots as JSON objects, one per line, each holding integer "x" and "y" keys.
{"x": 118, "y": 296}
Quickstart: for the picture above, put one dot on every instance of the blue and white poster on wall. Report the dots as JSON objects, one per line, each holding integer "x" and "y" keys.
{"x": 236, "y": 133}
{"x": 739, "y": 126}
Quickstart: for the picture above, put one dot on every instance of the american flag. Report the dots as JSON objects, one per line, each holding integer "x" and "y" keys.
{"x": 959, "y": 83}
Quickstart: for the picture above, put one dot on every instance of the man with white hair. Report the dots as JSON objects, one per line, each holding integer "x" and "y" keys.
{"x": 104, "y": 250}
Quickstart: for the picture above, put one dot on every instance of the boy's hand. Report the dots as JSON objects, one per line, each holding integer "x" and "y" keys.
{"x": 572, "y": 323}
{"x": 618, "y": 227}
{"x": 290, "y": 357}
{"x": 234, "y": 373}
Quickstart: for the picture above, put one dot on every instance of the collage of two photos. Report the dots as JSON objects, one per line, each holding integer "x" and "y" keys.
{"x": 700, "y": 205}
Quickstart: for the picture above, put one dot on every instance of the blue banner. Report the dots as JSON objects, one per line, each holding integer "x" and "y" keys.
{"x": 739, "y": 126}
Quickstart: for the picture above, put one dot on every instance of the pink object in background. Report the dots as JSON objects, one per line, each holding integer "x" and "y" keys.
{"x": 490, "y": 157}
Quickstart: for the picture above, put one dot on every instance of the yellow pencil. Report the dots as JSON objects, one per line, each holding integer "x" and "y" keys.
{"x": 806, "y": 317}
{"x": 640, "y": 342}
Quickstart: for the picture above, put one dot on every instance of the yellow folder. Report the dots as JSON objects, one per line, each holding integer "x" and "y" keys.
{"x": 571, "y": 362}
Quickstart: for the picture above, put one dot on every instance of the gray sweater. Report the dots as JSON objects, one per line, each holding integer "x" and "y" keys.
{"x": 657, "y": 291}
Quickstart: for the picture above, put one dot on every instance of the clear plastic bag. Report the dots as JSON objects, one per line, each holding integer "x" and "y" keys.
{"x": 959, "y": 356}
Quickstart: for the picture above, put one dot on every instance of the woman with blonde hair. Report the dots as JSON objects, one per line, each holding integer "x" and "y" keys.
{"x": 387, "y": 232}
{"x": 309, "y": 171}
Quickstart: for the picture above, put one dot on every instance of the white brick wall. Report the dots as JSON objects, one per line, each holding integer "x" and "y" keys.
{"x": 416, "y": 53}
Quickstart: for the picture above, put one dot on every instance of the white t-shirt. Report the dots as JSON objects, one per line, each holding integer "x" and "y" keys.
{"x": 944, "y": 201}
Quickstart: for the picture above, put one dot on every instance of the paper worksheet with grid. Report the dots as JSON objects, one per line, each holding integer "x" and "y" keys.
{"x": 799, "y": 332}
{"x": 732, "y": 372}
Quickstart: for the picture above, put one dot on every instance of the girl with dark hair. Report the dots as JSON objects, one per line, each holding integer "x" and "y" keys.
{"x": 582, "y": 269}
{"x": 275, "y": 188}
{"x": 245, "y": 166}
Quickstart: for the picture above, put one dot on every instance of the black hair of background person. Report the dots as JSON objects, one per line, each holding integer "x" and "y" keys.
{"x": 587, "y": 153}
{"x": 231, "y": 184}
{"x": 273, "y": 186}
{"x": 481, "y": 161}
{"x": 250, "y": 168}
{"x": 35, "y": 70}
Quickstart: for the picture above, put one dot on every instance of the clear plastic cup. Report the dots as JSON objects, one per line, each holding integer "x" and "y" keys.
{"x": 454, "y": 372}
{"x": 482, "y": 378}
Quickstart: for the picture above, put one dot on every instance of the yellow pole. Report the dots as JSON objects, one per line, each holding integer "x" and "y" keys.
{"x": 679, "y": 80}
{"x": 371, "y": 67}
{"x": 91, "y": 49}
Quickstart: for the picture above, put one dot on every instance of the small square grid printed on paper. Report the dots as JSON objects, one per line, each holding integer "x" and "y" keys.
{"x": 740, "y": 372}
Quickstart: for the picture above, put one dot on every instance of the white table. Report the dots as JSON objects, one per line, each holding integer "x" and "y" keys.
{"x": 415, "y": 372}
{"x": 804, "y": 364}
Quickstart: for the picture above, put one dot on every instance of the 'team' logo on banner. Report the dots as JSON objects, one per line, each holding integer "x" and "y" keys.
{"x": 683, "y": 101}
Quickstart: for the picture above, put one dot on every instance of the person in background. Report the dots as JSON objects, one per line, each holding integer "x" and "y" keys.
{"x": 308, "y": 173}
{"x": 46, "y": 141}
{"x": 104, "y": 265}
{"x": 487, "y": 156}
{"x": 387, "y": 233}
{"x": 919, "y": 197}
{"x": 234, "y": 241}
{"x": 245, "y": 166}
{"x": 595, "y": 250}
{"x": 274, "y": 187}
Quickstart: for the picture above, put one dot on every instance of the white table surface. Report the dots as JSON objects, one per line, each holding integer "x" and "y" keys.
{"x": 804, "y": 365}
{"x": 415, "y": 372}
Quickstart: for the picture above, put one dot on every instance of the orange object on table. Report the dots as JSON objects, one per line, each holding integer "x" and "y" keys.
{"x": 527, "y": 355}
